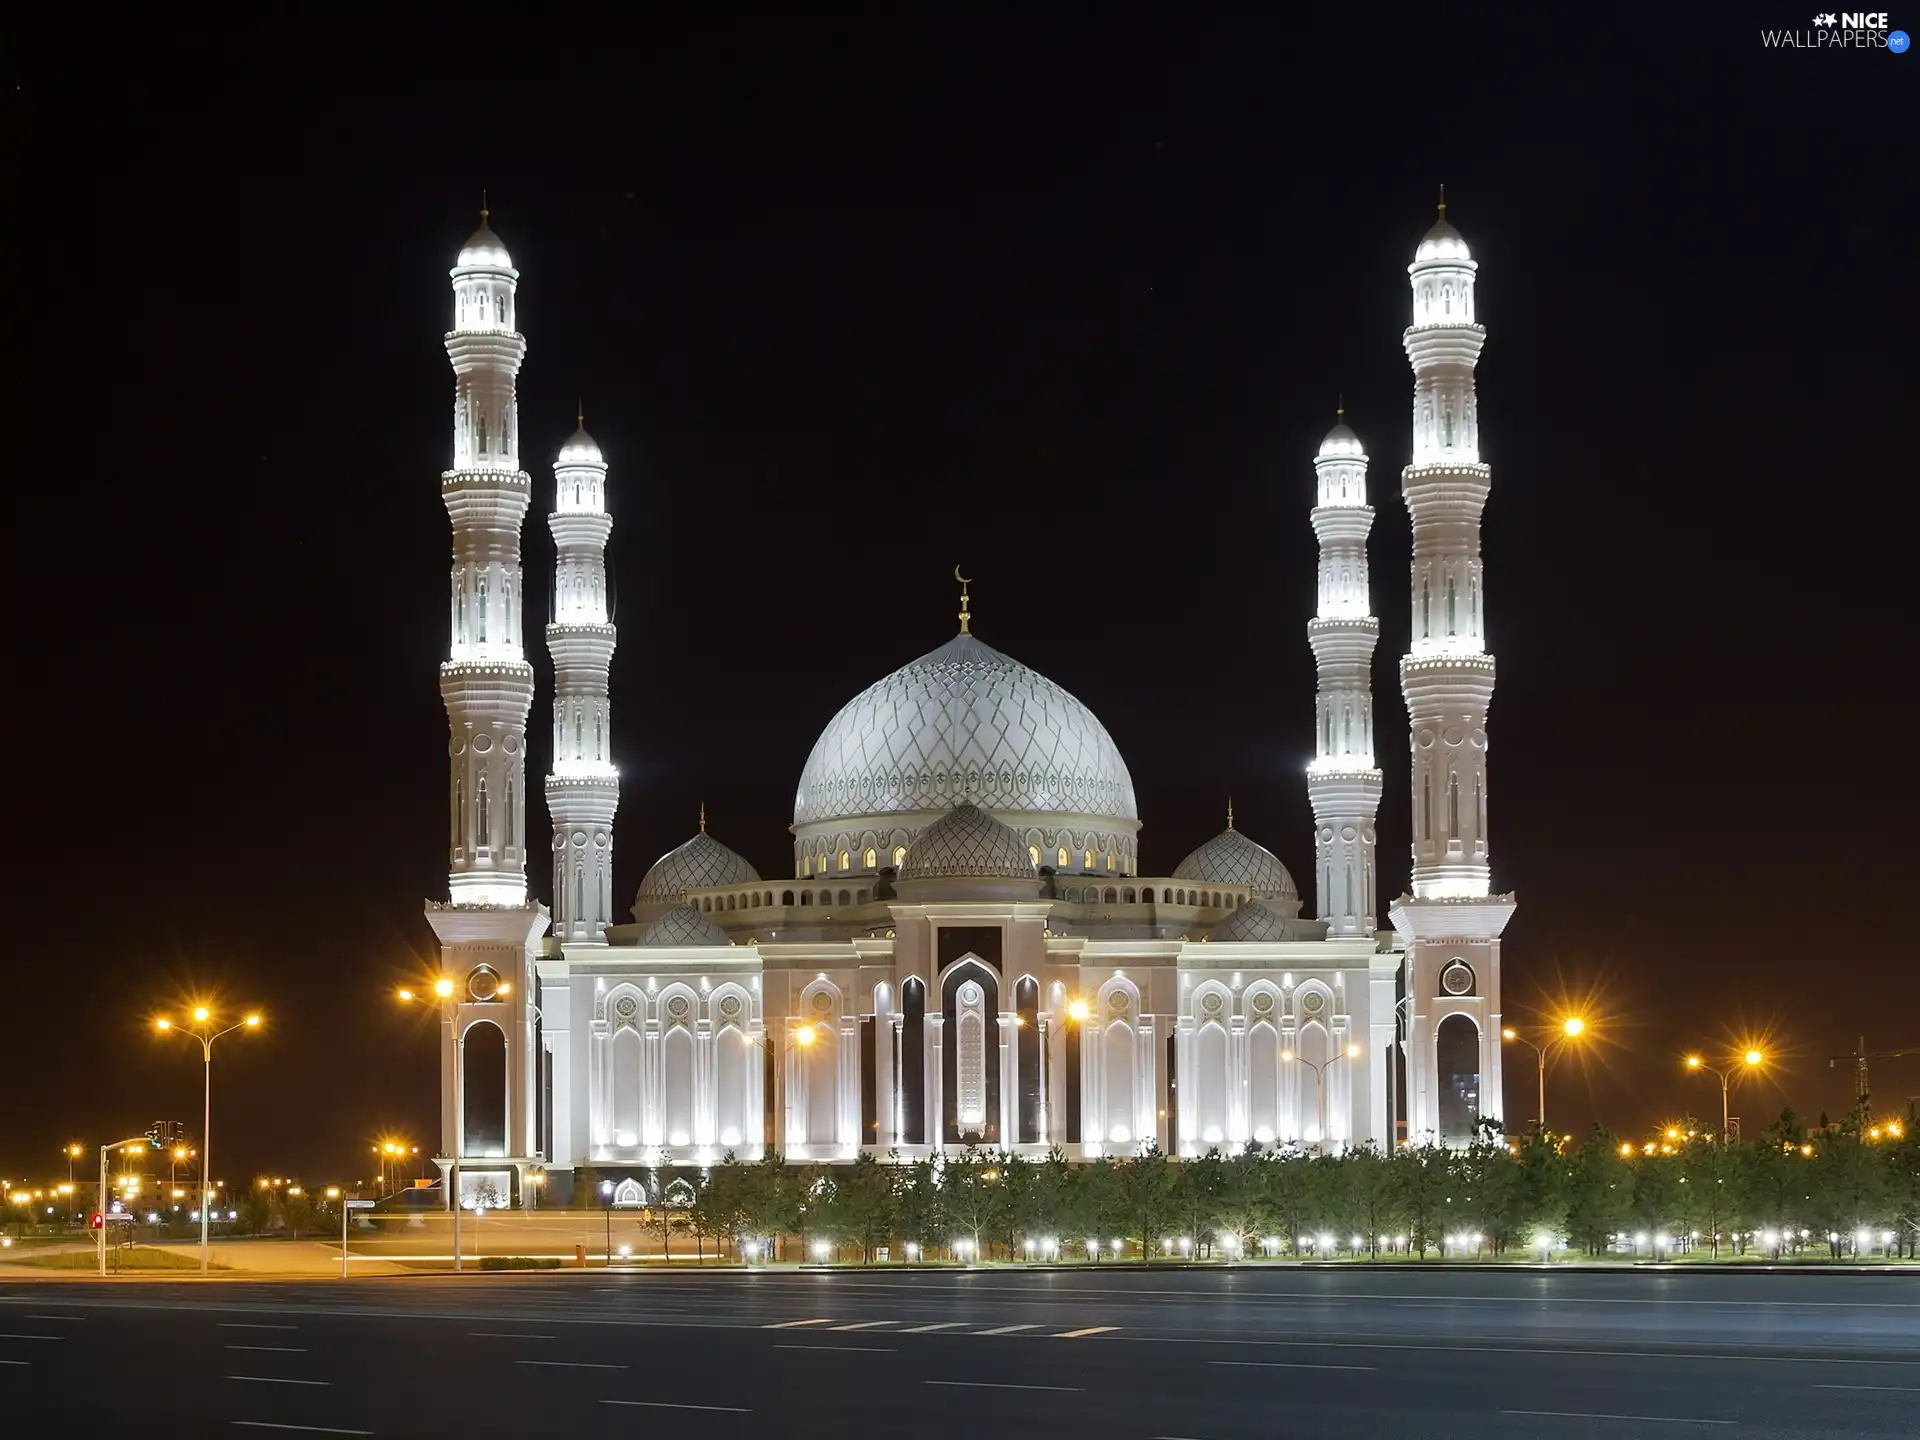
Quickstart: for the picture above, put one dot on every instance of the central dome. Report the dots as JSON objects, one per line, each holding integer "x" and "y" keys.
{"x": 965, "y": 723}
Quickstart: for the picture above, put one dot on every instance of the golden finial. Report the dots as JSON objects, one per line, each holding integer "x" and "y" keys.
{"x": 580, "y": 414}
{"x": 1443, "y": 201}
{"x": 483, "y": 207}
{"x": 1340, "y": 406}
{"x": 966, "y": 615}
{"x": 703, "y": 817}
{"x": 1229, "y": 812}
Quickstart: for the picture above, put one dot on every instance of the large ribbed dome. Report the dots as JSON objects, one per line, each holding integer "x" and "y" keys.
{"x": 967, "y": 843}
{"x": 1230, "y": 858}
{"x": 699, "y": 864}
{"x": 965, "y": 722}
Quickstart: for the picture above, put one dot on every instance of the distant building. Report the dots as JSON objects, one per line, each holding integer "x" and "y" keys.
{"x": 968, "y": 950}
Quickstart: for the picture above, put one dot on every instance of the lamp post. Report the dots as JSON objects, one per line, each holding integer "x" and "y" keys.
{"x": 443, "y": 992}
{"x": 1751, "y": 1060}
{"x": 1320, "y": 1076}
{"x": 201, "y": 1016}
{"x": 1571, "y": 1028}
{"x": 606, "y": 1203}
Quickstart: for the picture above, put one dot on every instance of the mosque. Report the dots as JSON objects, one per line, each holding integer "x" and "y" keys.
{"x": 968, "y": 951}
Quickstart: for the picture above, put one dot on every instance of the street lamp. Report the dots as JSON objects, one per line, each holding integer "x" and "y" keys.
{"x": 606, "y": 1202}
{"x": 1571, "y": 1028}
{"x": 443, "y": 992}
{"x": 1752, "y": 1059}
{"x": 1320, "y": 1076}
{"x": 206, "y": 1037}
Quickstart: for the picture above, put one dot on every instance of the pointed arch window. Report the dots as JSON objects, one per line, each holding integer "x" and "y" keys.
{"x": 1426, "y": 611}
{"x": 1350, "y": 910}
{"x": 1062, "y": 858}
{"x": 481, "y": 819}
{"x": 899, "y": 855}
{"x": 869, "y": 858}
{"x": 846, "y": 860}
{"x": 1453, "y": 806}
{"x": 1346, "y": 731}
{"x": 1033, "y": 854}
{"x": 513, "y": 837}
{"x": 480, "y": 606}
{"x": 596, "y": 736}
{"x": 459, "y": 794}
{"x": 1451, "y": 628}
{"x": 1479, "y": 809}
{"x": 1426, "y": 807}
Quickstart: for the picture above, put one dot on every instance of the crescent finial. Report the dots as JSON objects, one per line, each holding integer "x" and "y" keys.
{"x": 966, "y": 614}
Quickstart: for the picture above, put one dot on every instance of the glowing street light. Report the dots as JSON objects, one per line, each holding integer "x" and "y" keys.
{"x": 1570, "y": 1028}
{"x": 1352, "y": 1052}
{"x": 1079, "y": 1010}
{"x": 1752, "y": 1059}
{"x": 206, "y": 1037}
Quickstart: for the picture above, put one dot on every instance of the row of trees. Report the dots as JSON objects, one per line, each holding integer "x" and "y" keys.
{"x": 1691, "y": 1189}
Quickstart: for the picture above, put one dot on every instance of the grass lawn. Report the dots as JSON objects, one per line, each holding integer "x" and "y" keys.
{"x": 138, "y": 1258}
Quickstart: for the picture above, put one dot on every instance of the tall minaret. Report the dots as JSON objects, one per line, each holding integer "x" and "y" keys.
{"x": 489, "y": 934}
{"x": 1451, "y": 922}
{"x": 583, "y": 792}
{"x": 486, "y": 681}
{"x": 1342, "y": 783}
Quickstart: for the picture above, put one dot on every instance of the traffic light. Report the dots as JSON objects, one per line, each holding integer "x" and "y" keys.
{"x": 98, "y": 1220}
{"x": 163, "y": 1133}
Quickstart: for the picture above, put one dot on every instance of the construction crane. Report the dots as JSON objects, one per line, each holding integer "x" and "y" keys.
{"x": 1860, "y": 1056}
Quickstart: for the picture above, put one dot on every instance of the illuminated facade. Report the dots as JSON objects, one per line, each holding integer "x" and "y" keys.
{"x": 968, "y": 951}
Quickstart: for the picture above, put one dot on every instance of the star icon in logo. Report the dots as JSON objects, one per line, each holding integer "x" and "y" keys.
{"x": 1825, "y": 19}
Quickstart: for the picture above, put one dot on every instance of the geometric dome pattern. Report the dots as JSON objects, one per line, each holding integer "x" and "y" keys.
{"x": 1253, "y": 921}
{"x": 683, "y": 925}
{"x": 964, "y": 723}
{"x": 1230, "y": 858}
{"x": 697, "y": 865}
{"x": 968, "y": 843}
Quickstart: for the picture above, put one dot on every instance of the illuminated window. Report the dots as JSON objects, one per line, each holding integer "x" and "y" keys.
{"x": 1450, "y": 607}
{"x": 806, "y": 866}
{"x": 1033, "y": 854}
{"x": 512, "y": 837}
{"x": 899, "y": 854}
{"x": 869, "y": 859}
{"x": 1063, "y": 858}
{"x": 481, "y": 837}
{"x": 1346, "y": 731}
{"x": 1087, "y": 860}
{"x": 846, "y": 861}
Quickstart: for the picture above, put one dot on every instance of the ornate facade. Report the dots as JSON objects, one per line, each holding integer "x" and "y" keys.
{"x": 968, "y": 951}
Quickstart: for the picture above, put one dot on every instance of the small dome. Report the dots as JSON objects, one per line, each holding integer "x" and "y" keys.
{"x": 1341, "y": 441}
{"x": 967, "y": 843}
{"x": 1230, "y": 858}
{"x": 1442, "y": 242}
{"x": 700, "y": 864}
{"x": 683, "y": 925}
{"x": 581, "y": 450}
{"x": 1252, "y": 922}
{"x": 484, "y": 251}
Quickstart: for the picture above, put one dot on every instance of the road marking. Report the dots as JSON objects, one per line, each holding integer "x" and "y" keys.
{"x": 315, "y": 1429}
{"x": 277, "y": 1380}
{"x": 993, "y": 1385}
{"x": 16, "y": 1362}
{"x": 866, "y": 1325}
{"x": 796, "y": 1324}
{"x": 848, "y": 1349}
{"x": 275, "y": 1349}
{"x": 570, "y": 1364}
{"x": 1287, "y": 1365}
{"x": 1006, "y": 1329}
{"x": 32, "y": 1337}
{"x": 238, "y": 1325}
{"x": 669, "y": 1405}
{"x": 77, "y": 1319}
{"x": 1904, "y": 1389}
{"x": 505, "y": 1335}
{"x": 1756, "y": 1359}
{"x": 1090, "y": 1330}
{"x": 942, "y": 1325}
{"x": 1595, "y": 1415}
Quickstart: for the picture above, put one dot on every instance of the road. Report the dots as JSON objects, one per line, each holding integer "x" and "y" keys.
{"x": 1246, "y": 1354}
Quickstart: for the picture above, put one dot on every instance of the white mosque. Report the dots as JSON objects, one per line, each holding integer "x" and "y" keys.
{"x": 968, "y": 951}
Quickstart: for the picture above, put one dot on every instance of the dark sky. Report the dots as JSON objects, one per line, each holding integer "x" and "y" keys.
{"x": 849, "y": 301}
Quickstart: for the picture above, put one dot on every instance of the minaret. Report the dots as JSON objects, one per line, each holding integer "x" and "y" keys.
{"x": 583, "y": 792}
{"x": 1342, "y": 783}
{"x": 486, "y": 682}
{"x": 1451, "y": 922}
{"x": 493, "y": 1114}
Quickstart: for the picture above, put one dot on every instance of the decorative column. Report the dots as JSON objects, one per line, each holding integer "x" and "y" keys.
{"x": 489, "y": 932}
{"x": 1452, "y": 921}
{"x": 1343, "y": 784}
{"x": 583, "y": 790}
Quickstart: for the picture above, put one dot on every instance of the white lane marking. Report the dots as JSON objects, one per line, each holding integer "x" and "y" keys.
{"x": 1597, "y": 1415}
{"x": 505, "y": 1335}
{"x": 570, "y": 1364}
{"x": 669, "y": 1405}
{"x": 993, "y": 1385}
{"x": 796, "y": 1324}
{"x": 1287, "y": 1365}
{"x": 1758, "y": 1359}
{"x": 866, "y": 1325}
{"x": 1090, "y": 1330}
{"x": 1006, "y": 1329}
{"x": 277, "y": 1380}
{"x": 16, "y": 1362}
{"x": 32, "y": 1337}
{"x": 316, "y": 1429}
{"x": 847, "y": 1349}
{"x": 240, "y": 1325}
{"x": 274, "y": 1349}
{"x": 1904, "y": 1389}
{"x": 77, "y": 1319}
{"x": 943, "y": 1325}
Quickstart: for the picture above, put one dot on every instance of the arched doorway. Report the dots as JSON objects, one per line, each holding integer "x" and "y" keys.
{"x": 483, "y": 1099}
{"x": 1456, "y": 1049}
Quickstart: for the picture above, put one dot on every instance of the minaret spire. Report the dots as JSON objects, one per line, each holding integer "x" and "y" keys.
{"x": 1343, "y": 784}
{"x": 1451, "y": 923}
{"x": 583, "y": 791}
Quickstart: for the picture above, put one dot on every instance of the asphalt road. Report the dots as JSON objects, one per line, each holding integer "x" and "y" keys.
{"x": 1209, "y": 1355}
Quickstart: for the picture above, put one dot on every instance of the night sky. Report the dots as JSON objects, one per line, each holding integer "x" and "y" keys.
{"x": 849, "y": 301}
